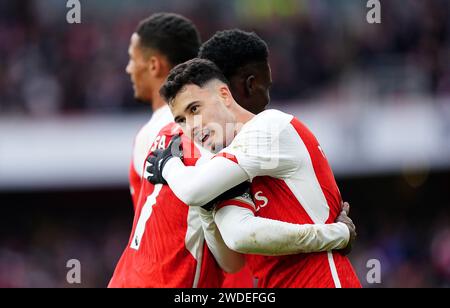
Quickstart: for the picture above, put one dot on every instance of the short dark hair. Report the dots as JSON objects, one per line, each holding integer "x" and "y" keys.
{"x": 196, "y": 71}
{"x": 171, "y": 34}
{"x": 233, "y": 49}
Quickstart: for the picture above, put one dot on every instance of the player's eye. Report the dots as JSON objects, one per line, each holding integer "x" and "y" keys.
{"x": 180, "y": 121}
{"x": 194, "y": 109}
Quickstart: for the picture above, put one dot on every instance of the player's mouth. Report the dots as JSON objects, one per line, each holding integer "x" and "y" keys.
{"x": 133, "y": 83}
{"x": 205, "y": 136}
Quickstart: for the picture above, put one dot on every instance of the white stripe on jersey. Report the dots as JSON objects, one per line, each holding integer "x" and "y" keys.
{"x": 304, "y": 183}
{"x": 195, "y": 240}
{"x": 306, "y": 188}
{"x": 147, "y": 135}
{"x": 333, "y": 269}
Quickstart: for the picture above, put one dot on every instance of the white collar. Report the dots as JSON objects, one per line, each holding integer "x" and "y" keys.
{"x": 158, "y": 113}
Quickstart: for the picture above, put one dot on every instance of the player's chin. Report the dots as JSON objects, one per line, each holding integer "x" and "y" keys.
{"x": 208, "y": 147}
{"x": 216, "y": 147}
{"x": 138, "y": 97}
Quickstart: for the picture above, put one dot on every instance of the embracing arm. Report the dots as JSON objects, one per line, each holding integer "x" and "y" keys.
{"x": 198, "y": 185}
{"x": 229, "y": 260}
{"x": 245, "y": 233}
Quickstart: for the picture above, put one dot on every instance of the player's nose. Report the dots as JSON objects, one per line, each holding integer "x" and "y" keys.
{"x": 196, "y": 134}
{"x": 128, "y": 69}
{"x": 192, "y": 128}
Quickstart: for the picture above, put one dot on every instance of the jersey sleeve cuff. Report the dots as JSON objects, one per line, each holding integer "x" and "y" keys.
{"x": 236, "y": 202}
{"x": 345, "y": 232}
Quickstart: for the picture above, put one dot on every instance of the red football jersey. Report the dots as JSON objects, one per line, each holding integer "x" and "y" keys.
{"x": 166, "y": 248}
{"x": 135, "y": 184}
{"x": 292, "y": 182}
{"x": 242, "y": 279}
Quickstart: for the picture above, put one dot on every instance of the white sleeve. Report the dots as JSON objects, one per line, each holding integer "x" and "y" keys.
{"x": 229, "y": 260}
{"x": 247, "y": 234}
{"x": 198, "y": 185}
{"x": 266, "y": 147}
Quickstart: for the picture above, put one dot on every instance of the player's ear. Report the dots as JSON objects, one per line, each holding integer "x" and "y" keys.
{"x": 154, "y": 66}
{"x": 250, "y": 85}
{"x": 225, "y": 94}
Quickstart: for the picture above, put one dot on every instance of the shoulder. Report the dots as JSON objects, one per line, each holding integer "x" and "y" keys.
{"x": 170, "y": 130}
{"x": 164, "y": 136}
{"x": 264, "y": 127}
{"x": 191, "y": 152}
{"x": 269, "y": 121}
{"x": 275, "y": 114}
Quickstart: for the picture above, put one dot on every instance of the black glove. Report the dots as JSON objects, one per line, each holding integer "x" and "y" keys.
{"x": 234, "y": 192}
{"x": 160, "y": 157}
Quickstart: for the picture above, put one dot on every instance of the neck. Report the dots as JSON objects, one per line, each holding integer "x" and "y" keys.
{"x": 157, "y": 100}
{"x": 242, "y": 117}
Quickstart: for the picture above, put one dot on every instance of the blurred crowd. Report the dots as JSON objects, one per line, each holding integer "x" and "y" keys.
{"x": 408, "y": 256}
{"x": 319, "y": 48}
{"x": 40, "y": 259}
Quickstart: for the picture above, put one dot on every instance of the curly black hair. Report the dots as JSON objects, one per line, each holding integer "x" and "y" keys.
{"x": 196, "y": 71}
{"x": 233, "y": 49}
{"x": 171, "y": 34}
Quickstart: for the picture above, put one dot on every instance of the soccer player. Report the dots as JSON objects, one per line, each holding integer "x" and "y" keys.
{"x": 243, "y": 59}
{"x": 171, "y": 251}
{"x": 166, "y": 247}
{"x": 291, "y": 178}
{"x": 241, "y": 56}
{"x": 160, "y": 42}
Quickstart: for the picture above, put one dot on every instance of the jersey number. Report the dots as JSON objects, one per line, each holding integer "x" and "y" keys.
{"x": 145, "y": 215}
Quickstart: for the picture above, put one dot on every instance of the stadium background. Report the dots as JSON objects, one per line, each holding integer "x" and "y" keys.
{"x": 376, "y": 96}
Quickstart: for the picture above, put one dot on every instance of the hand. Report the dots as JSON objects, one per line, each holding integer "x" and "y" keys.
{"x": 343, "y": 217}
{"x": 160, "y": 157}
